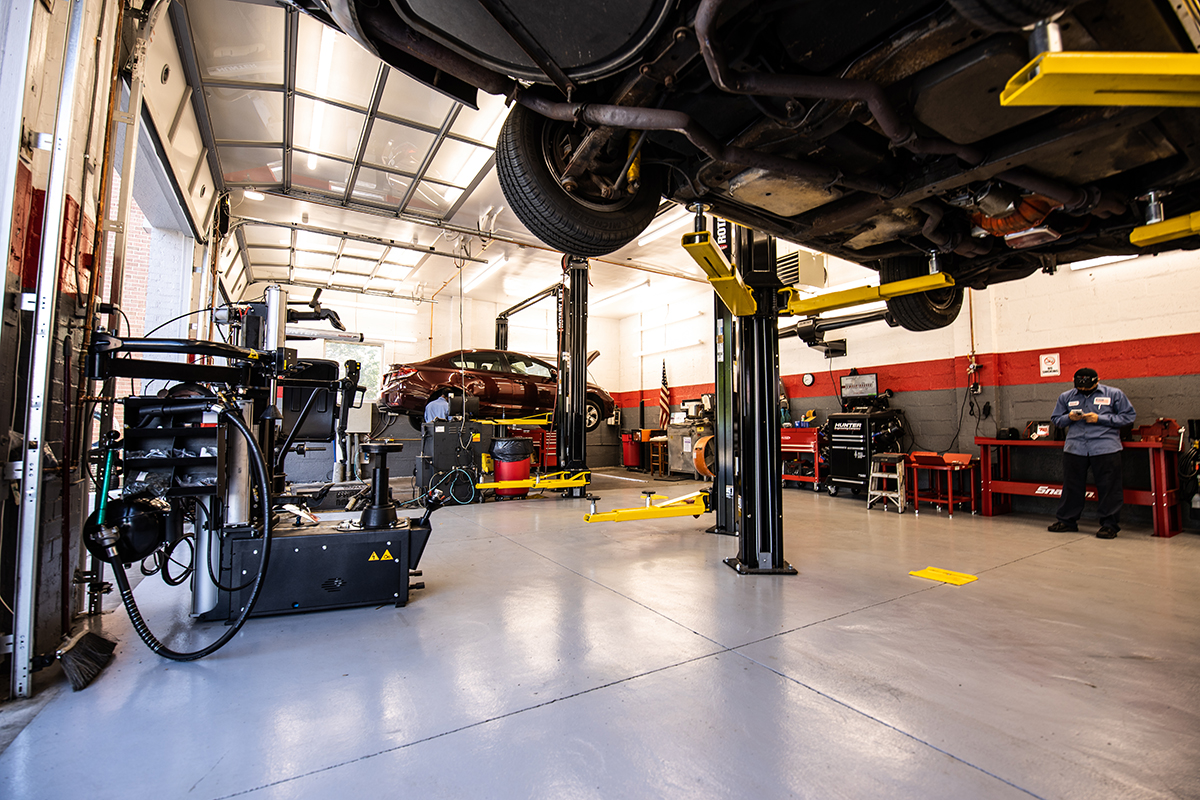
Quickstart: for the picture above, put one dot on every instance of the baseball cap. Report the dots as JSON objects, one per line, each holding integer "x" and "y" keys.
{"x": 1086, "y": 378}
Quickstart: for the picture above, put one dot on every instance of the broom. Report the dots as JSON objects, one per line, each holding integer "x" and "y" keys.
{"x": 82, "y": 657}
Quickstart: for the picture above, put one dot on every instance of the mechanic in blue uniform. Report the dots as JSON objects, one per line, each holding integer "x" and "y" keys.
{"x": 1092, "y": 415}
{"x": 437, "y": 408}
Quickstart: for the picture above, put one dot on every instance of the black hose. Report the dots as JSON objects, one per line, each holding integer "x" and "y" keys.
{"x": 264, "y": 488}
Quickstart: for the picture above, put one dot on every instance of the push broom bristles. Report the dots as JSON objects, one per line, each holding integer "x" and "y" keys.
{"x": 83, "y": 656}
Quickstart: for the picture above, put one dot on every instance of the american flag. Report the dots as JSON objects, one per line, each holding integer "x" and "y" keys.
{"x": 664, "y": 400}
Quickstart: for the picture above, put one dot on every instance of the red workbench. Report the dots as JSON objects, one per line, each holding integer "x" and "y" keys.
{"x": 1162, "y": 496}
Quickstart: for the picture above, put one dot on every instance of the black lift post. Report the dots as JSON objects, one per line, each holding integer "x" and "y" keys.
{"x": 724, "y": 508}
{"x": 572, "y": 372}
{"x": 757, "y": 480}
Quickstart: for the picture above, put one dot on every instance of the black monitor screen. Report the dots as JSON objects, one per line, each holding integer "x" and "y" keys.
{"x": 859, "y": 385}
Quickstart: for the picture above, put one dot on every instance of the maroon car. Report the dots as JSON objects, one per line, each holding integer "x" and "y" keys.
{"x": 507, "y": 384}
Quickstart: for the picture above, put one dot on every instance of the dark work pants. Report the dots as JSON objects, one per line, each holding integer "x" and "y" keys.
{"x": 1106, "y": 469}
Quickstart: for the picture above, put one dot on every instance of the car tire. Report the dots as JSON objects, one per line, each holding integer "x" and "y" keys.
{"x": 1008, "y": 15}
{"x": 591, "y": 414}
{"x": 926, "y": 311}
{"x": 573, "y": 223}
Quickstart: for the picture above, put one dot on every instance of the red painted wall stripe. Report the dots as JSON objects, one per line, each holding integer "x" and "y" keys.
{"x": 1155, "y": 357}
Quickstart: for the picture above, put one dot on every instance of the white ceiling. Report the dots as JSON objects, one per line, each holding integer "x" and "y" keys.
{"x": 364, "y": 164}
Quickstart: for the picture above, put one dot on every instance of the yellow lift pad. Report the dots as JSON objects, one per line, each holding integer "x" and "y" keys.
{"x": 1106, "y": 79}
{"x": 552, "y": 480}
{"x": 688, "y": 505}
{"x": 1165, "y": 231}
{"x": 800, "y": 306}
{"x": 944, "y": 575}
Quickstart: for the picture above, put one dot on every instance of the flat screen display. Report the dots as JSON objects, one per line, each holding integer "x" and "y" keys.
{"x": 860, "y": 385}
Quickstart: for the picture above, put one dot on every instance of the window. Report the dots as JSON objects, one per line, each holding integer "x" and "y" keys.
{"x": 371, "y": 358}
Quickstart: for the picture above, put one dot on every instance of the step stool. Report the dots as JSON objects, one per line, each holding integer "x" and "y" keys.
{"x": 887, "y": 468}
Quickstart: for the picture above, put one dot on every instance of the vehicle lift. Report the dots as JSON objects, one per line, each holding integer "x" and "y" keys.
{"x": 568, "y": 417}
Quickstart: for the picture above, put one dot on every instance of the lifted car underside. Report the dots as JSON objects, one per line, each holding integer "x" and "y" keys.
{"x": 867, "y": 129}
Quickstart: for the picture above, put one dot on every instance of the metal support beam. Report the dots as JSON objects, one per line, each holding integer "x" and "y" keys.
{"x": 723, "y": 419}
{"x": 758, "y": 472}
{"x": 41, "y": 359}
{"x": 572, "y": 375}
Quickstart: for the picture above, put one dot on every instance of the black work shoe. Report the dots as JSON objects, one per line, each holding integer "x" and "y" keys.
{"x": 1106, "y": 533}
{"x": 1061, "y": 526}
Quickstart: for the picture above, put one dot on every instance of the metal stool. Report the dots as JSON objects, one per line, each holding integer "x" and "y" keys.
{"x": 885, "y": 468}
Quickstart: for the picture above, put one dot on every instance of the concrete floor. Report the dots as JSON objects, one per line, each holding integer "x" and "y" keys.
{"x": 552, "y": 659}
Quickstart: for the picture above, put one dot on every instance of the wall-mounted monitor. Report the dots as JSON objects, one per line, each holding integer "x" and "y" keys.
{"x": 860, "y": 385}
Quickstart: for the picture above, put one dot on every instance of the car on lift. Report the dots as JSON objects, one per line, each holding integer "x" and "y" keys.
{"x": 867, "y": 129}
{"x": 508, "y": 384}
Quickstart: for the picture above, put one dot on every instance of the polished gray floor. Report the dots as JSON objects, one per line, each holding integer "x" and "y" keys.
{"x": 548, "y": 658}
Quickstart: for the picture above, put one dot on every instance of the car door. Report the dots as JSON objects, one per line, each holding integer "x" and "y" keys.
{"x": 539, "y": 387}
{"x": 487, "y": 378}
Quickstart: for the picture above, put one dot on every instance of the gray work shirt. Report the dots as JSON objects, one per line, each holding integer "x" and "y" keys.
{"x": 1093, "y": 438}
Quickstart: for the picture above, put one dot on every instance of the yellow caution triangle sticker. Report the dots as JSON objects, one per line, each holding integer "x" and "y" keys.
{"x": 373, "y": 557}
{"x": 386, "y": 556}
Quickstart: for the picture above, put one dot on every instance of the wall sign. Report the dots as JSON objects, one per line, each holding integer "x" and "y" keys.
{"x": 1049, "y": 365}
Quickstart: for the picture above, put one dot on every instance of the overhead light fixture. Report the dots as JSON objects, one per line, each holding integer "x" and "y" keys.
{"x": 672, "y": 347}
{"x": 250, "y": 194}
{"x": 621, "y": 293}
{"x": 664, "y": 226}
{"x": 1102, "y": 261}
{"x": 491, "y": 267}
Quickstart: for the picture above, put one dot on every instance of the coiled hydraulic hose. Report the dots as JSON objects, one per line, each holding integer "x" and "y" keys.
{"x": 264, "y": 490}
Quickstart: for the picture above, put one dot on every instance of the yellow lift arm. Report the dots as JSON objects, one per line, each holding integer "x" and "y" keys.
{"x": 802, "y": 306}
{"x": 536, "y": 419}
{"x": 1106, "y": 79}
{"x": 552, "y": 480}
{"x": 1165, "y": 231}
{"x": 729, "y": 287}
{"x": 688, "y": 505}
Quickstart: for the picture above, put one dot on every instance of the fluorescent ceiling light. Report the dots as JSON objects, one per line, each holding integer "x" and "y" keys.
{"x": 491, "y": 267}
{"x": 405, "y": 258}
{"x": 250, "y": 194}
{"x": 1100, "y": 262}
{"x": 664, "y": 226}
{"x": 668, "y": 349}
{"x": 620, "y": 293}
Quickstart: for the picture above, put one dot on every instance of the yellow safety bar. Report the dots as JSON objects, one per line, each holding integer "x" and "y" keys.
{"x": 550, "y": 480}
{"x": 800, "y": 306}
{"x": 1106, "y": 79}
{"x": 688, "y": 505}
{"x": 728, "y": 285}
{"x": 1165, "y": 231}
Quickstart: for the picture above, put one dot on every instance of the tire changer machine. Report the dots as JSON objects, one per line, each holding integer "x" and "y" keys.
{"x": 209, "y": 453}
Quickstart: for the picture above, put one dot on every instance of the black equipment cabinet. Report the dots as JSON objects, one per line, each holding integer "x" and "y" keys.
{"x": 853, "y": 439}
{"x": 447, "y": 444}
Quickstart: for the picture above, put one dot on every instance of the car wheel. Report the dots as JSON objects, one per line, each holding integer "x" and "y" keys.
{"x": 926, "y": 311}
{"x": 1008, "y": 15}
{"x": 530, "y": 157}
{"x": 591, "y": 415}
